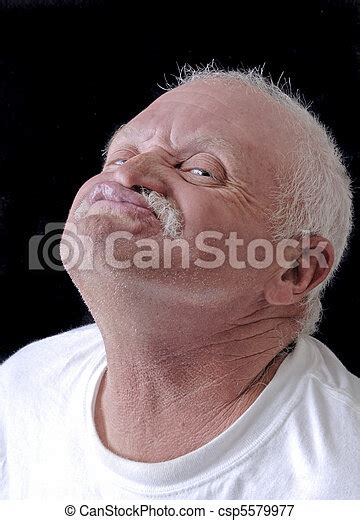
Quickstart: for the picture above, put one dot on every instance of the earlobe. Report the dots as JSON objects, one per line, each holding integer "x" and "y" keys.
{"x": 279, "y": 291}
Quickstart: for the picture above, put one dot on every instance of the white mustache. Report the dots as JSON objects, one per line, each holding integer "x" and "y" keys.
{"x": 170, "y": 217}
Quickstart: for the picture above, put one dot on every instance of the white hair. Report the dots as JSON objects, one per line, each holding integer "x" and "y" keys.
{"x": 315, "y": 194}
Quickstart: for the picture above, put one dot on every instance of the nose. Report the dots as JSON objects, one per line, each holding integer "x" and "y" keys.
{"x": 145, "y": 171}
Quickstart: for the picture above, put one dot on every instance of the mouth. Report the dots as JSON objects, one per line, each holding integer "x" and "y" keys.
{"x": 116, "y": 194}
{"x": 112, "y": 199}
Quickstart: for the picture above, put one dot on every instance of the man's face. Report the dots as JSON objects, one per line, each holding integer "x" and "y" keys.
{"x": 211, "y": 149}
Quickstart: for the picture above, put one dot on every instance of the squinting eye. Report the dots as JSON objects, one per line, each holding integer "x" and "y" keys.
{"x": 119, "y": 161}
{"x": 201, "y": 172}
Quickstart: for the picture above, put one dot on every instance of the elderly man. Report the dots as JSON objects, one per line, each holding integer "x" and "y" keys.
{"x": 221, "y": 212}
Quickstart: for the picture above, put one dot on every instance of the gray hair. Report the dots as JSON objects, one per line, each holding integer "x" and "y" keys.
{"x": 315, "y": 195}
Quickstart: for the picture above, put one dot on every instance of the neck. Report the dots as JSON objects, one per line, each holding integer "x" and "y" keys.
{"x": 170, "y": 388}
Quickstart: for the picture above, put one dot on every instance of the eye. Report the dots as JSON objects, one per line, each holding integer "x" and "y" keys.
{"x": 201, "y": 172}
{"x": 119, "y": 161}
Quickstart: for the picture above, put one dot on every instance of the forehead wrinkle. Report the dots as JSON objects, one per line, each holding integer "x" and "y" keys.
{"x": 219, "y": 143}
{"x": 197, "y": 140}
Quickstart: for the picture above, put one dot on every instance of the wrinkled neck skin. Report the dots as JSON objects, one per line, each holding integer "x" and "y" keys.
{"x": 180, "y": 368}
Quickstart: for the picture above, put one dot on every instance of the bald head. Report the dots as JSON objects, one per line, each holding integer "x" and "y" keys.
{"x": 228, "y": 153}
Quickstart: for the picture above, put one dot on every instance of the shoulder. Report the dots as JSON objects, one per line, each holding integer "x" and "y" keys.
{"x": 47, "y": 357}
{"x": 331, "y": 376}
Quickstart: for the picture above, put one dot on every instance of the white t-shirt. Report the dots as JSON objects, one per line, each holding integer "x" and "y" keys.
{"x": 300, "y": 439}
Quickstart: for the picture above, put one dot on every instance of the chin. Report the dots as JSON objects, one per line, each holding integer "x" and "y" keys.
{"x": 85, "y": 242}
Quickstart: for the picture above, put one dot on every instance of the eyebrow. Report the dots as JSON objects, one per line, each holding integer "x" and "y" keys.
{"x": 198, "y": 140}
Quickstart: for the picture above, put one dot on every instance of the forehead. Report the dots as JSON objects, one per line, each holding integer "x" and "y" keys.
{"x": 227, "y": 115}
{"x": 217, "y": 103}
{"x": 199, "y": 106}
{"x": 176, "y": 141}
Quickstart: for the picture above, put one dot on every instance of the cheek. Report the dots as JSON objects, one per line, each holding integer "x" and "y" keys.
{"x": 205, "y": 214}
{"x": 202, "y": 213}
{"x": 231, "y": 224}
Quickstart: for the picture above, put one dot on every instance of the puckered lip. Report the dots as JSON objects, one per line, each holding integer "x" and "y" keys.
{"x": 115, "y": 192}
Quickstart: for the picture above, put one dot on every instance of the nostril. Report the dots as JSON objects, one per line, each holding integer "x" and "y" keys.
{"x": 141, "y": 189}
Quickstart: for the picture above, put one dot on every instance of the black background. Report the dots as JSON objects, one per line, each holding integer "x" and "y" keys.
{"x": 72, "y": 72}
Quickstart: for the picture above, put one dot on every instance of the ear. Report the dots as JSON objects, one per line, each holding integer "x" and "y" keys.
{"x": 313, "y": 260}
